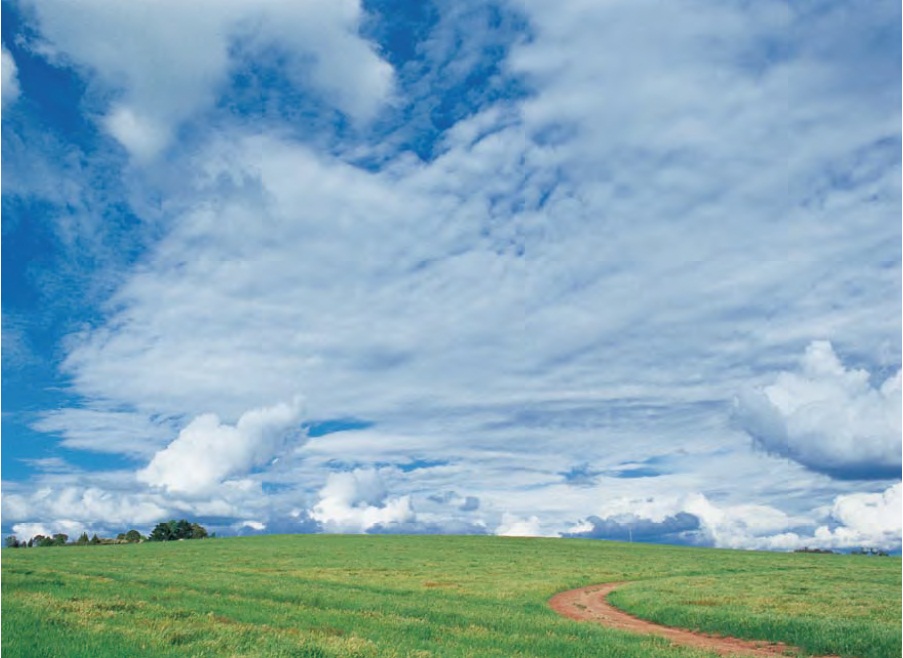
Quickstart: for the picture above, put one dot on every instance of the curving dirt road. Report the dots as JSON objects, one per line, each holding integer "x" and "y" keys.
{"x": 590, "y": 604}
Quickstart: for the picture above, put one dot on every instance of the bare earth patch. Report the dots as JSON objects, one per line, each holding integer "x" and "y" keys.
{"x": 590, "y": 604}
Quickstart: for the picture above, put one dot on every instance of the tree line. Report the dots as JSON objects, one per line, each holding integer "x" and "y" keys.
{"x": 856, "y": 551}
{"x": 166, "y": 531}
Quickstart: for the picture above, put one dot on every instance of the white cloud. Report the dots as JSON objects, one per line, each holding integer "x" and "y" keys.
{"x": 90, "y": 505}
{"x": 26, "y": 531}
{"x": 689, "y": 519}
{"x": 584, "y": 275}
{"x": 143, "y": 137}
{"x": 10, "y": 88}
{"x": 51, "y": 465}
{"x": 207, "y": 451}
{"x": 854, "y": 520}
{"x": 679, "y": 528}
{"x": 97, "y": 430}
{"x": 169, "y": 60}
{"x": 828, "y": 418}
{"x": 865, "y": 520}
{"x": 298, "y": 272}
{"x": 514, "y": 526}
{"x": 741, "y": 526}
{"x": 357, "y": 501}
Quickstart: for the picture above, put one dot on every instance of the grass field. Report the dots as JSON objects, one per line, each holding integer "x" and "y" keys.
{"x": 423, "y": 596}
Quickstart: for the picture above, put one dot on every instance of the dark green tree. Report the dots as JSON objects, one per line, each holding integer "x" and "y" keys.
{"x": 82, "y": 539}
{"x": 162, "y": 532}
{"x": 133, "y": 536}
{"x": 60, "y": 539}
{"x": 12, "y": 542}
{"x": 173, "y": 530}
{"x": 183, "y": 530}
{"x": 95, "y": 539}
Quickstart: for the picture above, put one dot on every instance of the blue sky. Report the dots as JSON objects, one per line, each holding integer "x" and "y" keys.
{"x": 566, "y": 269}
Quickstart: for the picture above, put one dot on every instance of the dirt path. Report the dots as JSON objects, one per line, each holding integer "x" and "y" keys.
{"x": 590, "y": 604}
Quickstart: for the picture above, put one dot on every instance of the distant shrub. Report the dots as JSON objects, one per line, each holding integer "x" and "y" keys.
{"x": 806, "y": 549}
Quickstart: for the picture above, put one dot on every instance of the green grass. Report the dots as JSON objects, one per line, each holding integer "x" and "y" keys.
{"x": 389, "y": 596}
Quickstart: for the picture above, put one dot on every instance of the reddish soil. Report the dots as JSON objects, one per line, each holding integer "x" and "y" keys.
{"x": 590, "y": 604}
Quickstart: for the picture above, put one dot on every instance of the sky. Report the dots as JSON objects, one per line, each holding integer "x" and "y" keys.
{"x": 622, "y": 270}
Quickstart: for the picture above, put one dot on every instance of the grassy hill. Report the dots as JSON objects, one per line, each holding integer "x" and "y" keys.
{"x": 425, "y": 596}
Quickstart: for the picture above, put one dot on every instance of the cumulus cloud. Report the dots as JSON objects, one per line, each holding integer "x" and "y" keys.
{"x": 853, "y": 520}
{"x": 516, "y": 526}
{"x": 356, "y": 501}
{"x": 168, "y": 60}
{"x": 26, "y": 531}
{"x": 207, "y": 451}
{"x": 747, "y": 525}
{"x": 250, "y": 525}
{"x": 83, "y": 505}
{"x": 10, "y": 88}
{"x": 679, "y": 528}
{"x": 828, "y": 417}
{"x": 865, "y": 520}
{"x": 690, "y": 519}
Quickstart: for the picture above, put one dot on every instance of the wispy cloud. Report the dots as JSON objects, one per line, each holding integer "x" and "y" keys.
{"x": 106, "y": 431}
{"x": 10, "y": 89}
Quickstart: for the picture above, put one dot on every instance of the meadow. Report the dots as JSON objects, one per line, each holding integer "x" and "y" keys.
{"x": 320, "y": 596}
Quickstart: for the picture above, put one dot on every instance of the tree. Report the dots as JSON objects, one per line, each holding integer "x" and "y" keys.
{"x": 60, "y": 539}
{"x": 12, "y": 542}
{"x": 95, "y": 539}
{"x": 82, "y": 539}
{"x": 183, "y": 530}
{"x": 173, "y": 530}
{"x": 133, "y": 536}
{"x": 161, "y": 532}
